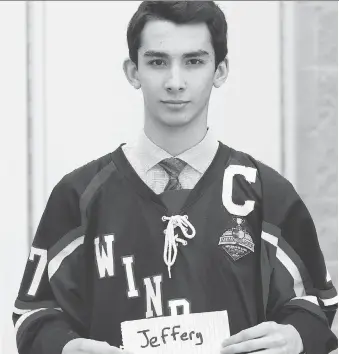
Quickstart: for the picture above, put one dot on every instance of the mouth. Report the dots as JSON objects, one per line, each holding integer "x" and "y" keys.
{"x": 175, "y": 101}
{"x": 175, "y": 104}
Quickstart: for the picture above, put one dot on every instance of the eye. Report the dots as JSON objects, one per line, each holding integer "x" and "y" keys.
{"x": 157, "y": 62}
{"x": 195, "y": 61}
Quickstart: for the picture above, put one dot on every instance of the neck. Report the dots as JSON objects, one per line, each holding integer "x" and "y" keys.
{"x": 176, "y": 139}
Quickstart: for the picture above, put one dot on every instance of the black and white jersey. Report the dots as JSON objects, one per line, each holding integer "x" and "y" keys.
{"x": 108, "y": 249}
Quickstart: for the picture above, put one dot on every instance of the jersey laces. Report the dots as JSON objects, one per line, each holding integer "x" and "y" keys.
{"x": 172, "y": 240}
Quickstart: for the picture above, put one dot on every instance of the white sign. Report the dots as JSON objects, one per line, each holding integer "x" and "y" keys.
{"x": 198, "y": 333}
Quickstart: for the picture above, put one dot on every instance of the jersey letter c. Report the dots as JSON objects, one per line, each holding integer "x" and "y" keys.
{"x": 250, "y": 175}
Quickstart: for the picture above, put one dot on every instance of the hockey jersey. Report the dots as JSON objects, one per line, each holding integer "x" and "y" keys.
{"x": 108, "y": 249}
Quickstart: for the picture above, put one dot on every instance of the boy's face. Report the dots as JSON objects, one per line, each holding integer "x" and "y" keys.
{"x": 176, "y": 71}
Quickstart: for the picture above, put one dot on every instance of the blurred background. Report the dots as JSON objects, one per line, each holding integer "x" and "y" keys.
{"x": 65, "y": 101}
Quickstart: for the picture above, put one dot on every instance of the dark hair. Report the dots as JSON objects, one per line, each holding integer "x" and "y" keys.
{"x": 179, "y": 12}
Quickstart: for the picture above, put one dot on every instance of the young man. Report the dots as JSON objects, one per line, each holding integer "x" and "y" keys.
{"x": 177, "y": 222}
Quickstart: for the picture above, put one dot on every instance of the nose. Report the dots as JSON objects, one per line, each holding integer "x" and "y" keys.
{"x": 175, "y": 81}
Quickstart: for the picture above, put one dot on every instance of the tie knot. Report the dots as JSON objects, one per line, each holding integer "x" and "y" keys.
{"x": 173, "y": 166}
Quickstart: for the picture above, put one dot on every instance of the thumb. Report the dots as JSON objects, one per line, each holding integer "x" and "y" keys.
{"x": 97, "y": 347}
{"x": 115, "y": 350}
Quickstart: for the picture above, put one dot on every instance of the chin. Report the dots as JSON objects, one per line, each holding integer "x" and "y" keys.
{"x": 175, "y": 121}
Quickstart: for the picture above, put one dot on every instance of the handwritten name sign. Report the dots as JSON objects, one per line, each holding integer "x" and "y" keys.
{"x": 198, "y": 333}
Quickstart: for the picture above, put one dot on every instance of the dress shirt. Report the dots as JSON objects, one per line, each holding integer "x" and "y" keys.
{"x": 144, "y": 156}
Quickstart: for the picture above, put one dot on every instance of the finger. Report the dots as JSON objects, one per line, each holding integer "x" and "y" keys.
{"x": 93, "y": 346}
{"x": 96, "y": 347}
{"x": 115, "y": 350}
{"x": 268, "y": 351}
{"x": 257, "y": 331}
{"x": 261, "y": 351}
{"x": 252, "y": 345}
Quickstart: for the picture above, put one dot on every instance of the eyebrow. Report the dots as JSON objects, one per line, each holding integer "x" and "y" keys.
{"x": 198, "y": 53}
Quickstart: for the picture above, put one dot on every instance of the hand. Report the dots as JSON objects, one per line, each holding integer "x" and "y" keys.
{"x": 89, "y": 346}
{"x": 267, "y": 338}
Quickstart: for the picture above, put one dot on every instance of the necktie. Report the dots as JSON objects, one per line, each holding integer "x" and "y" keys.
{"x": 173, "y": 168}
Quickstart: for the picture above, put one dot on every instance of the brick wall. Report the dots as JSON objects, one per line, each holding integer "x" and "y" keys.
{"x": 316, "y": 60}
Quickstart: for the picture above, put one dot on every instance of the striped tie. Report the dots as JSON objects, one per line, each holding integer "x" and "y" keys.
{"x": 173, "y": 168}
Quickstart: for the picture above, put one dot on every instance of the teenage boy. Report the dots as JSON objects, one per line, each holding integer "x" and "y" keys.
{"x": 177, "y": 222}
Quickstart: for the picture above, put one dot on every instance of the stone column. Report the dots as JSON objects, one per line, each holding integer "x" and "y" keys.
{"x": 310, "y": 73}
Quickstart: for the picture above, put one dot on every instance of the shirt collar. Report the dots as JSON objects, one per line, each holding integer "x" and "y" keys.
{"x": 198, "y": 157}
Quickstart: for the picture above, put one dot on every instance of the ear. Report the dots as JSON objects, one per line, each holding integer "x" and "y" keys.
{"x": 221, "y": 73}
{"x": 131, "y": 72}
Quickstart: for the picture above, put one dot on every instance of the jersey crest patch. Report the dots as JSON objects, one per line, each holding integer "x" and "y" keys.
{"x": 236, "y": 240}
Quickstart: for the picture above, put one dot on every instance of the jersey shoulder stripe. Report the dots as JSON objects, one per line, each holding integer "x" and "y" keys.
{"x": 80, "y": 178}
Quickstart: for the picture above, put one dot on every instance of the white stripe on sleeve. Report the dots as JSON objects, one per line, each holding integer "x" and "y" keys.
{"x": 330, "y": 302}
{"x": 55, "y": 263}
